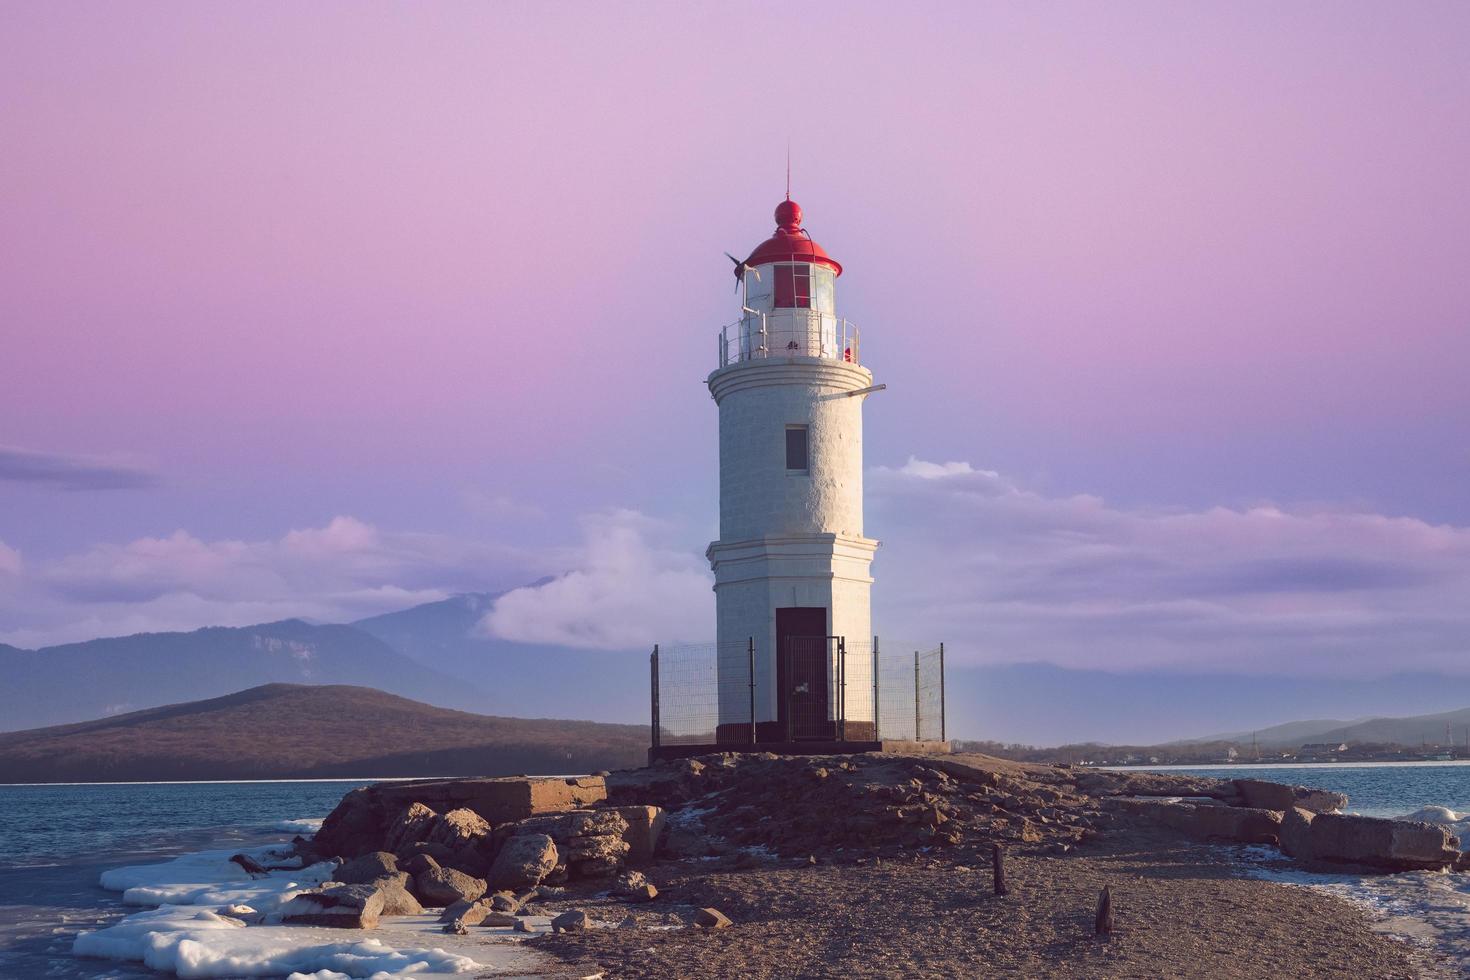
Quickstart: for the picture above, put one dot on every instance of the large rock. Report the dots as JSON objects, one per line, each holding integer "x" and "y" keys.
{"x": 472, "y": 913}
{"x": 458, "y": 829}
{"x": 645, "y": 827}
{"x": 497, "y": 800}
{"x": 1370, "y": 842}
{"x": 1245, "y": 825}
{"x": 368, "y": 818}
{"x": 397, "y": 899}
{"x": 354, "y": 827}
{"x": 1278, "y": 796}
{"x": 365, "y": 869}
{"x": 419, "y": 863}
{"x": 589, "y": 843}
{"x": 1296, "y": 833}
{"x": 523, "y": 861}
{"x": 441, "y": 887}
{"x": 573, "y": 921}
{"x": 458, "y": 917}
{"x": 594, "y": 857}
{"x": 410, "y": 826}
{"x": 343, "y": 907}
{"x": 1106, "y": 782}
{"x": 576, "y": 823}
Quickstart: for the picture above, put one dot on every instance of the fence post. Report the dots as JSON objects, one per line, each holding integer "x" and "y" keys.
{"x": 842, "y": 691}
{"x": 751, "y": 649}
{"x": 941, "y": 693}
{"x": 653, "y": 690}
{"x": 877, "y": 732}
{"x": 917, "y": 736}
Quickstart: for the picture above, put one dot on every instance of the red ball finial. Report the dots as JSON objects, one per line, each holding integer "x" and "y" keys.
{"x": 788, "y": 215}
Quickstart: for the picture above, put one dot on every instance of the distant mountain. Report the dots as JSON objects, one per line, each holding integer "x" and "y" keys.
{"x": 1405, "y": 731}
{"x": 435, "y": 632}
{"x": 1411, "y": 730}
{"x": 79, "y": 681}
{"x": 524, "y": 678}
{"x": 433, "y": 652}
{"x": 280, "y": 731}
{"x": 1292, "y": 734}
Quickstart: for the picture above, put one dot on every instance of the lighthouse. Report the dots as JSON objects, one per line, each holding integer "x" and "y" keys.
{"x": 791, "y": 566}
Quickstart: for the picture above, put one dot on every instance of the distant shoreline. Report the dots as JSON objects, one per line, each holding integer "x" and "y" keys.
{"x": 223, "y": 782}
{"x": 1379, "y": 764}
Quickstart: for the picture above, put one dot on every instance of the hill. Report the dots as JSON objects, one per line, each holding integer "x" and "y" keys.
{"x": 293, "y": 731}
{"x": 78, "y": 681}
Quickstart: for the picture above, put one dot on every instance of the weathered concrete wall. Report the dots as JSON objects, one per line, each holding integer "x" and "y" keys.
{"x": 497, "y": 800}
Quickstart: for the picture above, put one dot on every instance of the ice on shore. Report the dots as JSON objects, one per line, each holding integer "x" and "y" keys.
{"x": 195, "y": 942}
{"x": 186, "y": 935}
{"x": 210, "y": 878}
{"x": 1431, "y": 908}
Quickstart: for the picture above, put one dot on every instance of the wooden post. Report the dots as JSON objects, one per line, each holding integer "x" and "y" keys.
{"x": 751, "y": 648}
{"x": 1103, "y": 925}
{"x": 998, "y": 863}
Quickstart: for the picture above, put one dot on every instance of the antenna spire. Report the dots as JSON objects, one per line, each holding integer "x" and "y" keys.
{"x": 788, "y": 168}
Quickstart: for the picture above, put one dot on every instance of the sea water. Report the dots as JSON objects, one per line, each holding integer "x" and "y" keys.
{"x": 57, "y": 840}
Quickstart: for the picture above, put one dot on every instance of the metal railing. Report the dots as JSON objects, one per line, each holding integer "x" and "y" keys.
{"x": 818, "y": 689}
{"x": 790, "y": 333}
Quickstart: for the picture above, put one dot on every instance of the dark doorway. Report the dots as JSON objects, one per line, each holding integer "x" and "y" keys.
{"x": 803, "y": 672}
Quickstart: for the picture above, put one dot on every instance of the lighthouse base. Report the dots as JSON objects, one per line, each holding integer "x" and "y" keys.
{"x": 763, "y": 733}
{"x": 850, "y": 747}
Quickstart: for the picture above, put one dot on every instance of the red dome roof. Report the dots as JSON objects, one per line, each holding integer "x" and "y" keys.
{"x": 790, "y": 243}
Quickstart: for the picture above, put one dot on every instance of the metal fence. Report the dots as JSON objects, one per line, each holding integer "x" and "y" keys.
{"x": 910, "y": 691}
{"x": 817, "y": 688}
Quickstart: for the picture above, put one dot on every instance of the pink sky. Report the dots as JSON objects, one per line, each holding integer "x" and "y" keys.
{"x": 456, "y": 269}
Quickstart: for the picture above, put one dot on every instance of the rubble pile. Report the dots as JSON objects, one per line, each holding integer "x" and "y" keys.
{"x": 798, "y": 806}
{"x": 511, "y": 835}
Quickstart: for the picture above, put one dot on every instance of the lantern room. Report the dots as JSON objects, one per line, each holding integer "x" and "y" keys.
{"x": 789, "y": 299}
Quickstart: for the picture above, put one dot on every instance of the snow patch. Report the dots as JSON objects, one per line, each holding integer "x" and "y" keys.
{"x": 188, "y": 935}
{"x": 194, "y": 942}
{"x": 210, "y": 878}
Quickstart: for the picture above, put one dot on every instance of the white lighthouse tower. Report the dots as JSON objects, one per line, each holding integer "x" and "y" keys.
{"x": 791, "y": 566}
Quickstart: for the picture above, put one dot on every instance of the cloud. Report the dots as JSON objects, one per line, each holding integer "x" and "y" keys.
{"x": 1006, "y": 574}
{"x": 344, "y": 570}
{"x": 65, "y": 472}
{"x": 10, "y": 563}
{"x": 627, "y": 592}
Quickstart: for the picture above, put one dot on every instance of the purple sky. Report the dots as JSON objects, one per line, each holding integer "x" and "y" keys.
{"x": 326, "y": 310}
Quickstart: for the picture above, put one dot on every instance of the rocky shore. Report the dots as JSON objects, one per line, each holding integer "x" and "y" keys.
{"x": 745, "y": 865}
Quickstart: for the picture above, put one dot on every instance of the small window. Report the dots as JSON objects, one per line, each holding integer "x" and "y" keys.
{"x": 793, "y": 287}
{"x": 796, "y": 444}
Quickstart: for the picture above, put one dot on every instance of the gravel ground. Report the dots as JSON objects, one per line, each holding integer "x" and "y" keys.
{"x": 1181, "y": 910}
